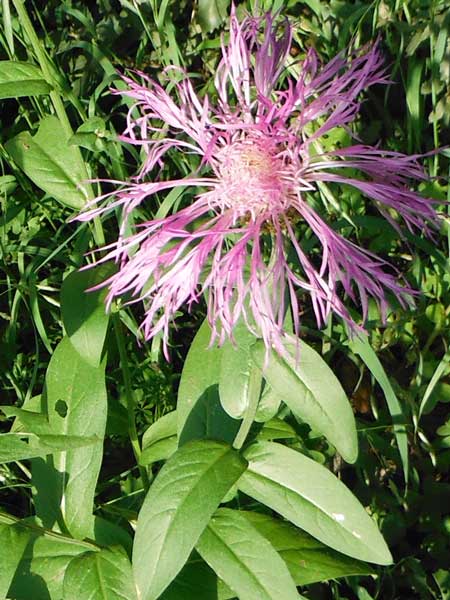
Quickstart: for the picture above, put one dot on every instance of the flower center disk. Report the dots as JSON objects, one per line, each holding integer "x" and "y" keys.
{"x": 251, "y": 180}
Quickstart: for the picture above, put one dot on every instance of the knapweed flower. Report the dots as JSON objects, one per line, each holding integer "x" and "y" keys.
{"x": 243, "y": 240}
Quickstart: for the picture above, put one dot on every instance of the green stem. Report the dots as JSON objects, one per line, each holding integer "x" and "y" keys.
{"x": 254, "y": 389}
{"x": 131, "y": 404}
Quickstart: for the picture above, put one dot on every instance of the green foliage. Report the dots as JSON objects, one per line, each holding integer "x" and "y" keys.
{"x": 51, "y": 163}
{"x": 228, "y": 546}
{"x": 104, "y": 575}
{"x": 255, "y": 500}
{"x": 21, "y": 79}
{"x": 313, "y": 393}
{"x": 181, "y": 501}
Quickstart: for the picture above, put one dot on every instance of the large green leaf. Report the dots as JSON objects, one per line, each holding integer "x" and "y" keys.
{"x": 311, "y": 390}
{"x": 200, "y": 413}
{"x": 13, "y": 540}
{"x": 21, "y": 79}
{"x": 235, "y": 379}
{"x": 311, "y": 497}
{"x": 51, "y": 163}
{"x": 75, "y": 401}
{"x": 362, "y": 347}
{"x": 84, "y": 313}
{"x": 244, "y": 559}
{"x": 179, "y": 505}
{"x": 307, "y": 559}
{"x": 104, "y": 575}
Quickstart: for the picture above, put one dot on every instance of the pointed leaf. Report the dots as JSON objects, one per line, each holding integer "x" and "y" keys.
{"x": 51, "y": 163}
{"x": 21, "y": 79}
{"x": 311, "y": 390}
{"x": 244, "y": 559}
{"x": 104, "y": 575}
{"x": 307, "y": 559}
{"x": 308, "y": 495}
{"x": 75, "y": 399}
{"x": 180, "y": 503}
{"x": 84, "y": 314}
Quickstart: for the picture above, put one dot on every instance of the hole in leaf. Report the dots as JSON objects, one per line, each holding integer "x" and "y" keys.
{"x": 61, "y": 408}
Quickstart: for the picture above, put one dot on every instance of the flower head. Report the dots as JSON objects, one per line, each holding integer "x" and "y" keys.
{"x": 261, "y": 159}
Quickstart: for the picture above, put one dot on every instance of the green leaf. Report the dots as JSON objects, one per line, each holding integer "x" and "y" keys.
{"x": 84, "y": 313}
{"x": 269, "y": 404}
{"x": 23, "y": 446}
{"x": 311, "y": 390}
{"x": 104, "y": 575}
{"x": 277, "y": 429}
{"x": 13, "y": 541}
{"x": 160, "y": 440}
{"x": 244, "y": 559}
{"x": 179, "y": 505}
{"x": 212, "y": 13}
{"x": 29, "y": 421}
{"x": 14, "y": 447}
{"x": 235, "y": 372}
{"x": 41, "y": 571}
{"x": 362, "y": 347}
{"x": 75, "y": 401}
{"x": 21, "y": 79}
{"x": 433, "y": 392}
{"x": 200, "y": 413}
{"x": 195, "y": 581}
{"x": 308, "y": 495}
{"x": 308, "y": 560}
{"x": 51, "y": 163}
{"x": 107, "y": 533}
{"x": 200, "y": 373}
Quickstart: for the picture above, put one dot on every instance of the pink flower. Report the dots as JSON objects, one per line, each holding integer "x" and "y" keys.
{"x": 261, "y": 160}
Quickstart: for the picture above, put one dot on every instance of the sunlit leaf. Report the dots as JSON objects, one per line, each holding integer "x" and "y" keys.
{"x": 244, "y": 559}
{"x": 51, "y": 163}
{"x": 311, "y": 497}
{"x": 311, "y": 390}
{"x": 104, "y": 575}
{"x": 179, "y": 505}
{"x": 75, "y": 401}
